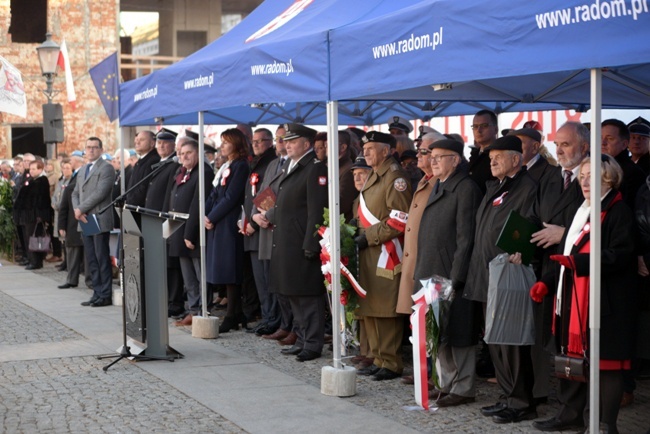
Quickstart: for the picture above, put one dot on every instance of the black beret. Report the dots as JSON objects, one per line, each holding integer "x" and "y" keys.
{"x": 528, "y": 132}
{"x": 293, "y": 131}
{"x": 165, "y": 134}
{"x": 360, "y": 163}
{"x": 448, "y": 144}
{"x": 640, "y": 127}
{"x": 506, "y": 143}
{"x": 376, "y": 136}
{"x": 409, "y": 153}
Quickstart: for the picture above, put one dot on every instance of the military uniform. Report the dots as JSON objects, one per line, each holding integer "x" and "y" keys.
{"x": 387, "y": 189}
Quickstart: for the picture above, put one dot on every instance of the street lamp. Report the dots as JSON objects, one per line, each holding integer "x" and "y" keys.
{"x": 48, "y": 57}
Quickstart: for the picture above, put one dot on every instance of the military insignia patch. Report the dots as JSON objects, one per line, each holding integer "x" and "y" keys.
{"x": 322, "y": 180}
{"x": 400, "y": 184}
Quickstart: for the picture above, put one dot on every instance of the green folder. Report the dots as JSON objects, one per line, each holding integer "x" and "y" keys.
{"x": 515, "y": 237}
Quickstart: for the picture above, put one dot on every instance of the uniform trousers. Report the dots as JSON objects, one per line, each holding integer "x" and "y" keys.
{"x": 268, "y": 301}
{"x": 97, "y": 253}
{"x": 514, "y": 371}
{"x": 74, "y": 257}
{"x": 309, "y": 321}
{"x": 385, "y": 340}
{"x": 458, "y": 369}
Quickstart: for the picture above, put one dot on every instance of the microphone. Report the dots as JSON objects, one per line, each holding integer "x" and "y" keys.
{"x": 174, "y": 159}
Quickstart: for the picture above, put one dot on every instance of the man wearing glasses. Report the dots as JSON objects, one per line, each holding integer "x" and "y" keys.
{"x": 91, "y": 194}
{"x": 485, "y": 130}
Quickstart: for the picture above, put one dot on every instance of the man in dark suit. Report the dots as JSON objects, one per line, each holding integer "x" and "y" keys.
{"x": 285, "y": 334}
{"x": 147, "y": 157}
{"x": 264, "y": 154}
{"x": 531, "y": 141}
{"x": 184, "y": 243}
{"x": 558, "y": 197}
{"x": 160, "y": 184}
{"x": 91, "y": 194}
{"x": 295, "y": 263}
{"x": 615, "y": 138}
{"x": 485, "y": 129}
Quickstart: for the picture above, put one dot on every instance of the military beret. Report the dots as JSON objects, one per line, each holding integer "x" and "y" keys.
{"x": 400, "y": 123}
{"x": 106, "y": 156}
{"x": 448, "y": 144}
{"x": 360, "y": 163}
{"x": 639, "y": 126}
{"x": 293, "y": 131}
{"x": 376, "y": 136}
{"x": 165, "y": 134}
{"x": 506, "y": 143}
{"x": 409, "y": 153}
{"x": 77, "y": 154}
{"x": 528, "y": 132}
{"x": 131, "y": 152}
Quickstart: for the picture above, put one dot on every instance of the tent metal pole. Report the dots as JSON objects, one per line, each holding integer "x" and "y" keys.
{"x": 594, "y": 251}
{"x": 204, "y": 291}
{"x": 338, "y": 316}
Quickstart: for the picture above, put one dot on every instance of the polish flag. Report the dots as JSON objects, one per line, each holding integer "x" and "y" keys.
{"x": 64, "y": 63}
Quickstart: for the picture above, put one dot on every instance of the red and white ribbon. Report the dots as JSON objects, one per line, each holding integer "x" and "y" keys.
{"x": 391, "y": 251}
{"x": 326, "y": 266}
{"x": 255, "y": 178}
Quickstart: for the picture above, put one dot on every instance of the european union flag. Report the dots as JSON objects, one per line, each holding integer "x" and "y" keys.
{"x": 105, "y": 77}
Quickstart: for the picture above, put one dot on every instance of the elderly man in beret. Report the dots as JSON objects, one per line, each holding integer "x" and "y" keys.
{"x": 444, "y": 246}
{"x": 513, "y": 189}
{"x": 383, "y": 205}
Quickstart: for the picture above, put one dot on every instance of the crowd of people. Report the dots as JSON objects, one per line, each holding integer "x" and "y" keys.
{"x": 421, "y": 209}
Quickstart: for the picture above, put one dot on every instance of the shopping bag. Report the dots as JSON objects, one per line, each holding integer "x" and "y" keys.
{"x": 509, "y": 314}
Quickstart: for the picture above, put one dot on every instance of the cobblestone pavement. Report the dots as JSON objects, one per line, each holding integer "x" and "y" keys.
{"x": 74, "y": 395}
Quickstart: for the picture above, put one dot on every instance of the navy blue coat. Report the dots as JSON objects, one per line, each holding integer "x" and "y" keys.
{"x": 225, "y": 245}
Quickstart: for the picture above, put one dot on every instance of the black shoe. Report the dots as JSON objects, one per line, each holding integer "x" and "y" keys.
{"x": 66, "y": 286}
{"x": 89, "y": 302}
{"x": 243, "y": 320}
{"x": 33, "y": 267}
{"x": 511, "y": 415}
{"x": 229, "y": 323}
{"x": 266, "y": 330}
{"x": 369, "y": 370}
{"x": 292, "y": 351}
{"x": 174, "y": 313}
{"x": 555, "y": 424}
{"x": 23, "y": 262}
{"x": 306, "y": 355}
{"x": 102, "y": 302}
{"x": 541, "y": 400}
{"x": 491, "y": 410}
{"x": 385, "y": 374}
{"x": 453, "y": 400}
{"x": 256, "y": 328}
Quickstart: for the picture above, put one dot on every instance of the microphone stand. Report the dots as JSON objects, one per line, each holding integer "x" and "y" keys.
{"x": 125, "y": 351}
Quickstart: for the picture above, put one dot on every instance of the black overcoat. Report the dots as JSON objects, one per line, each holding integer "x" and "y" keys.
{"x": 67, "y": 221}
{"x": 445, "y": 242}
{"x": 160, "y": 186}
{"x": 141, "y": 169}
{"x": 301, "y": 199}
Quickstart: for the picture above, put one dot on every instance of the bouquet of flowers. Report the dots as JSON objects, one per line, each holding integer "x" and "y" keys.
{"x": 350, "y": 288}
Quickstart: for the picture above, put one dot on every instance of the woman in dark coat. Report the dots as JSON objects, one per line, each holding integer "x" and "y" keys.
{"x": 68, "y": 231}
{"x": 33, "y": 209}
{"x": 445, "y": 242}
{"x": 225, "y": 244}
{"x": 618, "y": 283}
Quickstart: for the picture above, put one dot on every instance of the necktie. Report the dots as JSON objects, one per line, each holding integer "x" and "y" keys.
{"x": 88, "y": 167}
{"x": 436, "y": 187}
{"x": 279, "y": 168}
{"x": 567, "y": 178}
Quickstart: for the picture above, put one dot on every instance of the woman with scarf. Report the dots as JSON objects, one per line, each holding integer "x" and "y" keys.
{"x": 571, "y": 322}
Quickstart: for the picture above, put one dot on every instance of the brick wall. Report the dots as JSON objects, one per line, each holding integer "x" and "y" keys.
{"x": 90, "y": 31}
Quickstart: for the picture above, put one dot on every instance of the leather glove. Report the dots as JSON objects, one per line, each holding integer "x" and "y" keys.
{"x": 361, "y": 241}
{"x": 354, "y": 222}
{"x": 538, "y": 291}
{"x": 311, "y": 255}
{"x": 566, "y": 261}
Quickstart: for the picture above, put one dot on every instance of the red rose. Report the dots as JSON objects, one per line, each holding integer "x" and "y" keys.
{"x": 345, "y": 261}
{"x": 344, "y": 298}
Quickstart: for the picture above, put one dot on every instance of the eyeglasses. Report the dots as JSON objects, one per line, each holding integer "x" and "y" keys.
{"x": 423, "y": 151}
{"x": 437, "y": 158}
{"x": 260, "y": 141}
{"x": 92, "y": 147}
{"x": 481, "y": 126}
{"x": 279, "y": 140}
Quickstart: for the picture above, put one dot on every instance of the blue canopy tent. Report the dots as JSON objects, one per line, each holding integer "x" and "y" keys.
{"x": 554, "y": 51}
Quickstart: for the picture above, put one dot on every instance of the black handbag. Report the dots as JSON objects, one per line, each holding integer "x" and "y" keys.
{"x": 39, "y": 243}
{"x": 572, "y": 367}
